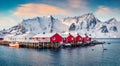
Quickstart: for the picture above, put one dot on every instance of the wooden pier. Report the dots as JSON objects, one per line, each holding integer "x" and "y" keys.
{"x": 49, "y": 45}
{"x": 33, "y": 44}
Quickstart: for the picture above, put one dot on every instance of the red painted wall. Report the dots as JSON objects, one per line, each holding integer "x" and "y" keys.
{"x": 56, "y": 38}
{"x": 70, "y": 38}
{"x": 78, "y": 38}
{"x": 86, "y": 39}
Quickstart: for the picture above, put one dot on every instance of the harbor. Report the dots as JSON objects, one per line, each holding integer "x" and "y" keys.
{"x": 48, "y": 41}
{"x": 47, "y": 45}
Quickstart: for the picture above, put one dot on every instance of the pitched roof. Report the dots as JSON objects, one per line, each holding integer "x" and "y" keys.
{"x": 44, "y": 35}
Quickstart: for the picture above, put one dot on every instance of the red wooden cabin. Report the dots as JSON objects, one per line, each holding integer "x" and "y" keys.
{"x": 56, "y": 38}
{"x": 69, "y": 39}
{"x": 78, "y": 38}
{"x": 86, "y": 39}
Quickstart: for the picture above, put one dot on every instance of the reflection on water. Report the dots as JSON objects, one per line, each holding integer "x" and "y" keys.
{"x": 80, "y": 56}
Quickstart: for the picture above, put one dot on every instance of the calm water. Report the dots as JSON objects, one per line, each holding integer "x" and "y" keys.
{"x": 81, "y": 56}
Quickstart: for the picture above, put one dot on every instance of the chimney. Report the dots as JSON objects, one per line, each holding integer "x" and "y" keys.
{"x": 43, "y": 32}
{"x": 69, "y": 33}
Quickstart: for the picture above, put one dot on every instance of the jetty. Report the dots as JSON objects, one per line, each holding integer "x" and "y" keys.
{"x": 43, "y": 41}
{"x": 48, "y": 45}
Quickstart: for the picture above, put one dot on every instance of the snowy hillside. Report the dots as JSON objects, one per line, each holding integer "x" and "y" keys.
{"x": 43, "y": 24}
{"x": 85, "y": 24}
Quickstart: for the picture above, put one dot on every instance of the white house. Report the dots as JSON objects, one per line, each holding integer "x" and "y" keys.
{"x": 19, "y": 38}
{"x": 43, "y": 37}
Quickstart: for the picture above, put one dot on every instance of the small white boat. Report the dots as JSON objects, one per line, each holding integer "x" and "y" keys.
{"x": 16, "y": 45}
{"x": 67, "y": 45}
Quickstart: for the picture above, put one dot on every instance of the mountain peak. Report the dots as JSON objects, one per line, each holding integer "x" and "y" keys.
{"x": 31, "y": 19}
{"x": 88, "y": 16}
{"x": 85, "y": 24}
{"x": 49, "y": 16}
{"x": 112, "y": 20}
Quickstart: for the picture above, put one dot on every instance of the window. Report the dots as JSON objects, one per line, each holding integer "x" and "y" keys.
{"x": 54, "y": 38}
{"x": 25, "y": 38}
{"x": 71, "y": 38}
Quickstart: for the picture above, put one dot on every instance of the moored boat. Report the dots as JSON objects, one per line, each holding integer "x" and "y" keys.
{"x": 15, "y": 45}
{"x": 67, "y": 45}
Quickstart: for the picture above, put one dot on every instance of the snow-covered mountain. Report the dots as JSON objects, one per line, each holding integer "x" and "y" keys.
{"x": 43, "y": 24}
{"x": 85, "y": 24}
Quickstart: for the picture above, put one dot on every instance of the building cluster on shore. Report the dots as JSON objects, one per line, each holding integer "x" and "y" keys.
{"x": 48, "y": 39}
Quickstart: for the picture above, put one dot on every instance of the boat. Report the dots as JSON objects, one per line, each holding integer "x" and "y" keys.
{"x": 66, "y": 45}
{"x": 14, "y": 44}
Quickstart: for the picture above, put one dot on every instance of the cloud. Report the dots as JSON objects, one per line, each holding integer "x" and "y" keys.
{"x": 82, "y": 4}
{"x": 7, "y": 22}
{"x": 6, "y": 19}
{"x": 107, "y": 12}
{"x": 102, "y": 10}
{"x": 39, "y": 9}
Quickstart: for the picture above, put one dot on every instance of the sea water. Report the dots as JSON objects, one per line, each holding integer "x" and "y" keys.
{"x": 79, "y": 56}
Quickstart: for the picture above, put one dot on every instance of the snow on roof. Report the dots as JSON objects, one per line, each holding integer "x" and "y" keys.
{"x": 76, "y": 35}
{"x": 9, "y": 35}
{"x": 21, "y": 35}
{"x": 64, "y": 34}
{"x": 73, "y": 33}
{"x": 44, "y": 35}
{"x": 25, "y": 35}
{"x": 67, "y": 34}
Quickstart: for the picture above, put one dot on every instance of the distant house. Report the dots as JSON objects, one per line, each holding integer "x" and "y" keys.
{"x": 78, "y": 38}
{"x": 69, "y": 38}
{"x": 56, "y": 38}
{"x": 19, "y": 38}
{"x": 43, "y": 37}
{"x": 86, "y": 39}
{"x": 9, "y": 37}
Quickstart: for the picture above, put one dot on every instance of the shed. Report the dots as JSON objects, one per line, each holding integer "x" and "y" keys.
{"x": 86, "y": 39}
{"x": 69, "y": 38}
{"x": 78, "y": 38}
{"x": 56, "y": 38}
